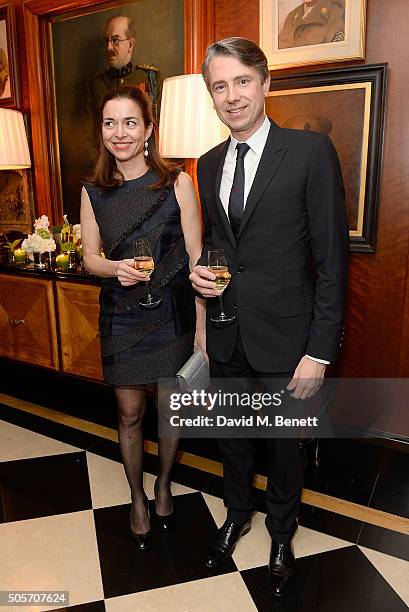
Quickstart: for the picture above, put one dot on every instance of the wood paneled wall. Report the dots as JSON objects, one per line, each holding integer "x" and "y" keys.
{"x": 377, "y": 328}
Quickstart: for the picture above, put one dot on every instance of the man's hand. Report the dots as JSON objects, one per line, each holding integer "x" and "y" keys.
{"x": 308, "y": 378}
{"x": 127, "y": 274}
{"x": 203, "y": 282}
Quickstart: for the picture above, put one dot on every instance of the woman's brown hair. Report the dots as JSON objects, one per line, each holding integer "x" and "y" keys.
{"x": 106, "y": 174}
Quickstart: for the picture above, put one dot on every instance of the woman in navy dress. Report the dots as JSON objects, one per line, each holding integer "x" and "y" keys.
{"x": 135, "y": 194}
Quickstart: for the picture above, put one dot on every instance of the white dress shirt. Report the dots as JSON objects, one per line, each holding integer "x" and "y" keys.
{"x": 252, "y": 158}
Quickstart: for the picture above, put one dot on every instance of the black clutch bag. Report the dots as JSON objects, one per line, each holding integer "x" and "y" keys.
{"x": 194, "y": 375}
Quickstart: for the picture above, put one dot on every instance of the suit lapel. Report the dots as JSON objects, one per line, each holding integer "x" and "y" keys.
{"x": 220, "y": 208}
{"x": 271, "y": 158}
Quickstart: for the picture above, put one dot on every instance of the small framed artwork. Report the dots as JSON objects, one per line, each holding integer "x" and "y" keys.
{"x": 297, "y": 32}
{"x": 322, "y": 101}
{"x": 16, "y": 197}
{"x": 9, "y": 83}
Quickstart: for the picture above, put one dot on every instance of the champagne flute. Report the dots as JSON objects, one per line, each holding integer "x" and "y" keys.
{"x": 143, "y": 261}
{"x": 216, "y": 262}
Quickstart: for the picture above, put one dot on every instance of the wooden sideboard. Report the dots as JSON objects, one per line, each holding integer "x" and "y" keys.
{"x": 50, "y": 320}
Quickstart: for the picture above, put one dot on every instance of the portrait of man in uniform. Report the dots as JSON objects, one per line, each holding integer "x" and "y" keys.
{"x": 312, "y": 22}
{"x": 118, "y": 44}
{"x": 136, "y": 43}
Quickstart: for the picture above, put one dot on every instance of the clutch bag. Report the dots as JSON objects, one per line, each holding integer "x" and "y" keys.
{"x": 194, "y": 375}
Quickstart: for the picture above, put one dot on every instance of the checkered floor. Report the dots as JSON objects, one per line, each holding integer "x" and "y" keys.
{"x": 64, "y": 525}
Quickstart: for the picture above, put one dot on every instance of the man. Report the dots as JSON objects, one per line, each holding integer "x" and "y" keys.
{"x": 273, "y": 199}
{"x": 312, "y": 23}
{"x": 119, "y": 43}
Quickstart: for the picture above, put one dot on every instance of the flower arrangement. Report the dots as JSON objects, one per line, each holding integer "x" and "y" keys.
{"x": 40, "y": 241}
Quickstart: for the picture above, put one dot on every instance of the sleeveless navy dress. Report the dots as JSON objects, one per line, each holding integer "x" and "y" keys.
{"x": 140, "y": 345}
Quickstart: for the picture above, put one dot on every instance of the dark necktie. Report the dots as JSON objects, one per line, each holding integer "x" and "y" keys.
{"x": 236, "y": 200}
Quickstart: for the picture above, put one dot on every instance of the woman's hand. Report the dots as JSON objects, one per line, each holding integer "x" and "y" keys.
{"x": 128, "y": 275}
{"x": 200, "y": 341}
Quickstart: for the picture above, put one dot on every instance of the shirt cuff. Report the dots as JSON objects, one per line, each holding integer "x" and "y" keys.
{"x": 324, "y": 361}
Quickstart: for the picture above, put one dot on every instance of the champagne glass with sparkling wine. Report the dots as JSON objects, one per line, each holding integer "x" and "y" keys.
{"x": 216, "y": 262}
{"x": 143, "y": 261}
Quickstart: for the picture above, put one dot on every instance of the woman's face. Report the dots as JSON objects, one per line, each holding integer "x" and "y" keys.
{"x": 123, "y": 129}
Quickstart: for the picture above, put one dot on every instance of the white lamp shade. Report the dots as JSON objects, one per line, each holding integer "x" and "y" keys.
{"x": 14, "y": 152}
{"x": 188, "y": 124}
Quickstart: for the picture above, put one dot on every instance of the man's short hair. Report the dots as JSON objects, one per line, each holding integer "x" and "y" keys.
{"x": 130, "y": 31}
{"x": 244, "y": 50}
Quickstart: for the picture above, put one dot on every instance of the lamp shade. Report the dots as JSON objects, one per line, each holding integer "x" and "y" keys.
{"x": 188, "y": 124}
{"x": 14, "y": 151}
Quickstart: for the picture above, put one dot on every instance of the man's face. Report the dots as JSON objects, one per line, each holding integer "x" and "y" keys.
{"x": 238, "y": 95}
{"x": 118, "y": 56}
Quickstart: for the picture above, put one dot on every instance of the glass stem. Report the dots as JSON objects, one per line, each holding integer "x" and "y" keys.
{"x": 149, "y": 291}
{"x": 222, "y": 314}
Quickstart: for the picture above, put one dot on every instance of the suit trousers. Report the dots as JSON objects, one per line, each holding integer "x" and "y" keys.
{"x": 285, "y": 464}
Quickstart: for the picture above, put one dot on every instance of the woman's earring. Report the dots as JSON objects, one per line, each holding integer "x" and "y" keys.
{"x": 146, "y": 149}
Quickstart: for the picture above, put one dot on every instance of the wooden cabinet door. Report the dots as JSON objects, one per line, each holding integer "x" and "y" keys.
{"x": 27, "y": 320}
{"x": 78, "y": 310}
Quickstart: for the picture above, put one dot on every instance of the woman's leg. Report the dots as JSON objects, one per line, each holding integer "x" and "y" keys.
{"x": 167, "y": 453}
{"x": 131, "y": 408}
{"x": 167, "y": 448}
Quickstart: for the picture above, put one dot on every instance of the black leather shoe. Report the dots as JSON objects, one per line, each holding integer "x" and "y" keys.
{"x": 143, "y": 540}
{"x": 225, "y": 542}
{"x": 165, "y": 521}
{"x": 281, "y": 566}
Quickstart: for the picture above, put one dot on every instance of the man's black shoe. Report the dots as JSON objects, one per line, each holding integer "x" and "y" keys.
{"x": 281, "y": 566}
{"x": 225, "y": 542}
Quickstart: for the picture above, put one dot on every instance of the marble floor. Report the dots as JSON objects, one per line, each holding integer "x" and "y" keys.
{"x": 64, "y": 517}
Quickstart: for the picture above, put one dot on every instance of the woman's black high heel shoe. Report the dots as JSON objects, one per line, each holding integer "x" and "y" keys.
{"x": 143, "y": 540}
{"x": 165, "y": 521}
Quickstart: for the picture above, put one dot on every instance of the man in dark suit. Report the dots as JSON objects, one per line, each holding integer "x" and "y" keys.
{"x": 273, "y": 199}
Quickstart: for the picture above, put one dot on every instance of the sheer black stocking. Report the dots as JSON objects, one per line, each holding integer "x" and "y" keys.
{"x": 131, "y": 408}
{"x": 167, "y": 453}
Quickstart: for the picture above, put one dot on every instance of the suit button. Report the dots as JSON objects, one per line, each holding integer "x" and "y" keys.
{"x": 240, "y": 270}
{"x": 235, "y": 307}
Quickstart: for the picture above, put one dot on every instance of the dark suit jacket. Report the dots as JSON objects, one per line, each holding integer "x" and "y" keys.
{"x": 289, "y": 262}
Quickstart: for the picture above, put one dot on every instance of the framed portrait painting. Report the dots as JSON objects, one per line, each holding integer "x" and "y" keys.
{"x": 299, "y": 32}
{"x": 9, "y": 83}
{"x": 348, "y": 105}
{"x": 85, "y": 67}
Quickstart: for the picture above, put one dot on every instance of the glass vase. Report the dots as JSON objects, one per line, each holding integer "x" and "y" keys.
{"x": 38, "y": 261}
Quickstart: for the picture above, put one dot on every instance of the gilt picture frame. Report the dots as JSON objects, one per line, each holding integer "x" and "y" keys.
{"x": 9, "y": 69}
{"x": 294, "y": 34}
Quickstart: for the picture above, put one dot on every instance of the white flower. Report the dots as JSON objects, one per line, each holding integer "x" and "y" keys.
{"x": 41, "y": 223}
{"x": 35, "y": 244}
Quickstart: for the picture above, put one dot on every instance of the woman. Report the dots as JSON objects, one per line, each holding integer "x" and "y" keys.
{"x": 135, "y": 194}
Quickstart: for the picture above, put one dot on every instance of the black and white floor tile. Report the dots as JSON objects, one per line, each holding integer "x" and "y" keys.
{"x": 64, "y": 525}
